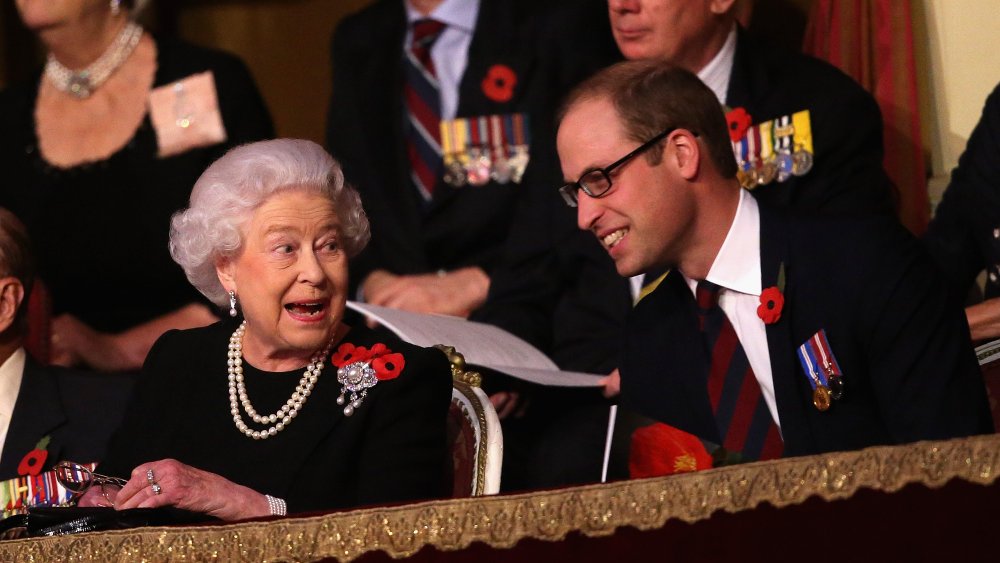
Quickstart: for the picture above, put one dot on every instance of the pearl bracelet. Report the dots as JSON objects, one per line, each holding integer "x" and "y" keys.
{"x": 277, "y": 506}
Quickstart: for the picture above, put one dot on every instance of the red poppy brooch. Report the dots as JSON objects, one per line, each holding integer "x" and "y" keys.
{"x": 772, "y": 300}
{"x": 739, "y": 121}
{"x": 359, "y": 369}
{"x": 33, "y": 462}
{"x": 499, "y": 83}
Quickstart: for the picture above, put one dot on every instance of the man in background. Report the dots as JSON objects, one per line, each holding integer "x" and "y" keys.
{"x": 75, "y": 411}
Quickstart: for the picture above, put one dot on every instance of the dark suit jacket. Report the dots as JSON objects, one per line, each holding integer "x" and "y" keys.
{"x": 77, "y": 410}
{"x": 909, "y": 370}
{"x": 545, "y": 46}
{"x": 961, "y": 236}
{"x": 558, "y": 288}
{"x": 392, "y": 449}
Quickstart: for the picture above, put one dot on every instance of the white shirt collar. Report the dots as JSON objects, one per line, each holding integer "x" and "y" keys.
{"x": 716, "y": 73}
{"x": 459, "y": 14}
{"x": 737, "y": 266}
{"x": 11, "y": 374}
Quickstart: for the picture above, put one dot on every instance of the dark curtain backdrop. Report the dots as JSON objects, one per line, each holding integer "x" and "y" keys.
{"x": 873, "y": 42}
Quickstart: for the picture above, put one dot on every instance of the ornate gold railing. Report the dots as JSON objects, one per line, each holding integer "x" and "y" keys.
{"x": 502, "y": 521}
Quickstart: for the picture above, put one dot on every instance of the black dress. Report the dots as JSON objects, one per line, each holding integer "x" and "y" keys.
{"x": 100, "y": 229}
{"x": 393, "y": 448}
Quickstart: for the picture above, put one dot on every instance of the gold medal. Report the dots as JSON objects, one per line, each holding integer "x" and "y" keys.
{"x": 478, "y": 167}
{"x": 746, "y": 179}
{"x": 454, "y": 174}
{"x": 767, "y": 172}
{"x": 821, "y": 398}
{"x": 518, "y": 163}
{"x": 502, "y": 170}
{"x": 802, "y": 162}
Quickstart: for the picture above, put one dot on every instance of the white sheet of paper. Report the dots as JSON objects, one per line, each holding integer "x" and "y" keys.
{"x": 481, "y": 344}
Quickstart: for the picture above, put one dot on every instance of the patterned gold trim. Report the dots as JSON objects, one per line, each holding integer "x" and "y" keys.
{"x": 502, "y": 521}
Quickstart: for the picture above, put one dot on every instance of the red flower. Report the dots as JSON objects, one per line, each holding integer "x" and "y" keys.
{"x": 739, "y": 121}
{"x": 388, "y": 366}
{"x": 659, "y": 449}
{"x": 499, "y": 83}
{"x": 33, "y": 462}
{"x": 771, "y": 303}
{"x": 348, "y": 353}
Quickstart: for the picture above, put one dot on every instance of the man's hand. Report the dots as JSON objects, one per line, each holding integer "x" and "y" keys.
{"x": 612, "y": 384}
{"x": 458, "y": 292}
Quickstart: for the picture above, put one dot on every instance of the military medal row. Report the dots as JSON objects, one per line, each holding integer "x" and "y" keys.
{"x": 774, "y": 150}
{"x": 821, "y": 370}
{"x": 488, "y": 147}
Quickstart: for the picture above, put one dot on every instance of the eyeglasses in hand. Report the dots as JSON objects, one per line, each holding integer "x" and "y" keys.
{"x": 78, "y": 479}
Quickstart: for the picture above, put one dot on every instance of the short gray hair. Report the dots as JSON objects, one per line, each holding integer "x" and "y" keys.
{"x": 226, "y": 195}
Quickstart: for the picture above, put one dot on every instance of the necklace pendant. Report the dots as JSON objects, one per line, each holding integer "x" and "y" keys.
{"x": 79, "y": 85}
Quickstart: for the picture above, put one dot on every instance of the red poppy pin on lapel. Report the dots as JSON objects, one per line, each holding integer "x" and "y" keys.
{"x": 33, "y": 462}
{"x": 359, "y": 369}
{"x": 772, "y": 300}
{"x": 499, "y": 83}
{"x": 739, "y": 121}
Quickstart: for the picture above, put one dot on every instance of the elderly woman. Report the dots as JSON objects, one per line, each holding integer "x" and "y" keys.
{"x": 286, "y": 404}
{"x": 99, "y": 149}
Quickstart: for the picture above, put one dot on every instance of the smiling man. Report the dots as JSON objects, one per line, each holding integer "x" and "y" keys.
{"x": 773, "y": 334}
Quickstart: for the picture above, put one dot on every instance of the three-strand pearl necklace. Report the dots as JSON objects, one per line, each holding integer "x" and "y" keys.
{"x": 238, "y": 391}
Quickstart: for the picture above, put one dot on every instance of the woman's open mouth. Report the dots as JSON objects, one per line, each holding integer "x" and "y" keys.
{"x": 306, "y": 310}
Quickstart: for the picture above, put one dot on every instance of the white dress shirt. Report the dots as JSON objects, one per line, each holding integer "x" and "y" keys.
{"x": 11, "y": 374}
{"x": 450, "y": 52}
{"x": 716, "y": 73}
{"x": 736, "y": 270}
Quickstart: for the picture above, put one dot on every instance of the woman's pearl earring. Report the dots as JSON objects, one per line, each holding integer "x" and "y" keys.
{"x": 232, "y": 303}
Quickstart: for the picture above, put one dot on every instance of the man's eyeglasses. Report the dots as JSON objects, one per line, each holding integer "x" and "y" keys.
{"x": 596, "y": 182}
{"x": 77, "y": 479}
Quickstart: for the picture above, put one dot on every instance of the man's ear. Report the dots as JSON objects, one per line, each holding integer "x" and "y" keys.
{"x": 225, "y": 269}
{"x": 685, "y": 152}
{"x": 11, "y": 297}
{"x": 719, "y": 7}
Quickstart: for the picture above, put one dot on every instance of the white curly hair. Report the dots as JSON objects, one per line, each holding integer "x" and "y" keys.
{"x": 226, "y": 195}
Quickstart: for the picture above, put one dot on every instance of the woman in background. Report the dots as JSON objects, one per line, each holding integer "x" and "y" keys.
{"x": 98, "y": 150}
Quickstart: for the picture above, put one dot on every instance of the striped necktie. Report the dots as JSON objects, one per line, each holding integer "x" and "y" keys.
{"x": 423, "y": 108}
{"x": 741, "y": 414}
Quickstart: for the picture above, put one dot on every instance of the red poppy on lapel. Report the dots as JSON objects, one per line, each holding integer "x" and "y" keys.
{"x": 386, "y": 363}
{"x": 771, "y": 303}
{"x": 348, "y": 353}
{"x": 499, "y": 83}
{"x": 33, "y": 462}
{"x": 739, "y": 121}
{"x": 388, "y": 366}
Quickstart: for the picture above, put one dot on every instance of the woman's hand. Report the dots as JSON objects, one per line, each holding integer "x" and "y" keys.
{"x": 191, "y": 489}
{"x": 99, "y": 496}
